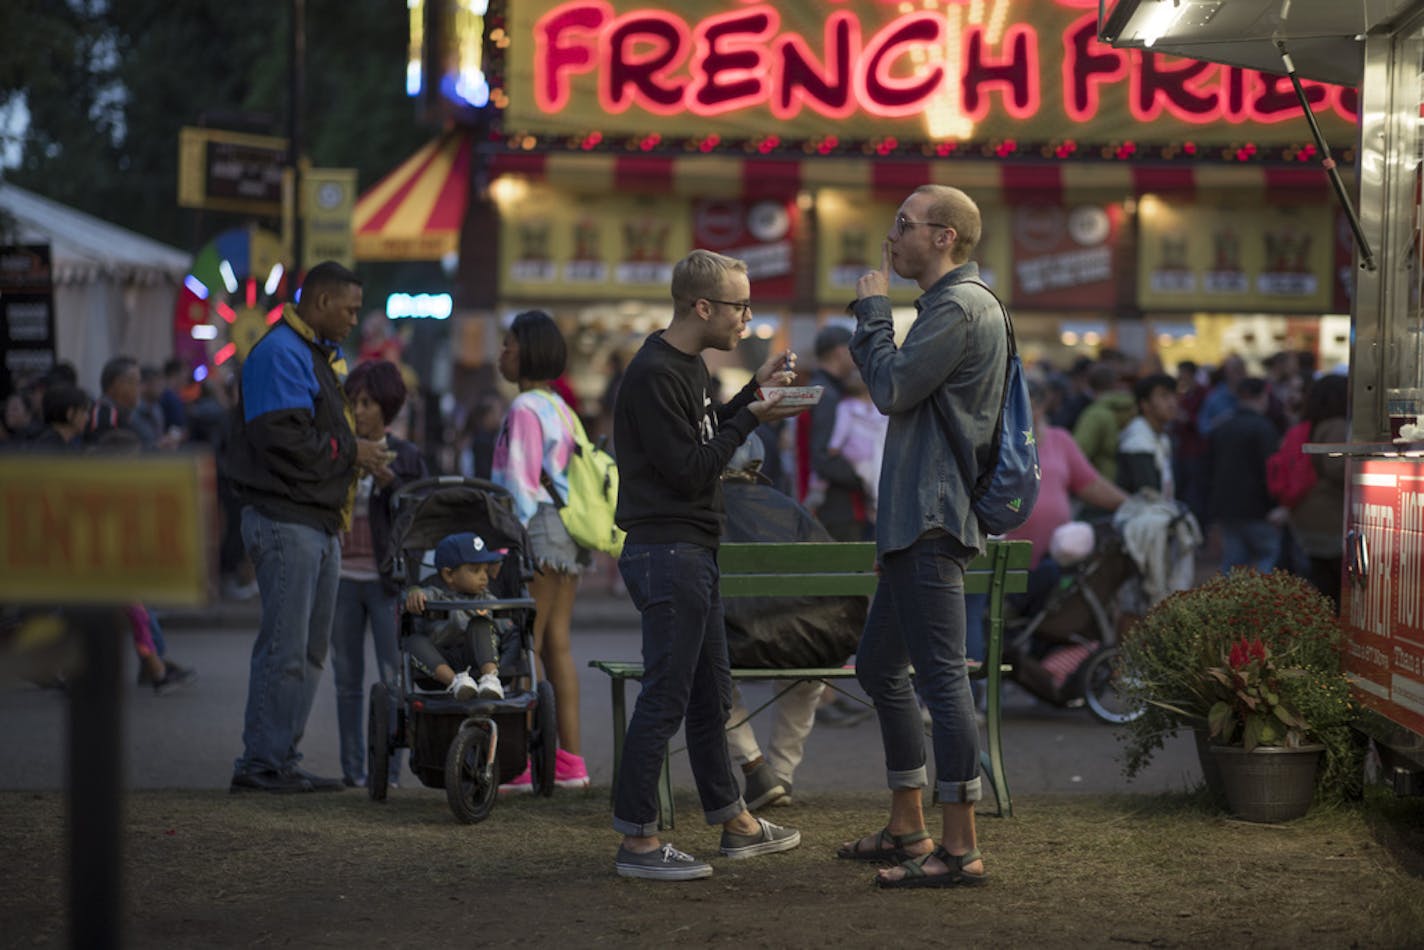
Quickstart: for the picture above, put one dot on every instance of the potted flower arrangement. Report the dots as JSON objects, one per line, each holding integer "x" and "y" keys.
{"x": 1250, "y": 662}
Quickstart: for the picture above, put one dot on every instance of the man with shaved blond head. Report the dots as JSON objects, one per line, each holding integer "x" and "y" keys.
{"x": 942, "y": 389}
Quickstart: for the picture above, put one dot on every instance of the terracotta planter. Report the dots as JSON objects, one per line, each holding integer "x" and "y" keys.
{"x": 1269, "y": 783}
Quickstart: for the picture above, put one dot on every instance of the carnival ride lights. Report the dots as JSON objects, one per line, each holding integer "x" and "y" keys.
{"x": 230, "y": 298}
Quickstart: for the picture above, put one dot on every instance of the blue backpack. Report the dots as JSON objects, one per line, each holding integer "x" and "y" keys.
{"x": 1006, "y": 491}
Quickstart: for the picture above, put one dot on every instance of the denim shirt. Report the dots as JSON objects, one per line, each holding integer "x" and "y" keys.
{"x": 942, "y": 389}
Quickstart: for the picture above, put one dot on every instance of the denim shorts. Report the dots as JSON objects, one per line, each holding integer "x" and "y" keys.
{"x": 552, "y": 546}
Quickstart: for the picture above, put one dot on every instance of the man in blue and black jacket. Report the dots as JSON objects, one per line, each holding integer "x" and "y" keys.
{"x": 293, "y": 459}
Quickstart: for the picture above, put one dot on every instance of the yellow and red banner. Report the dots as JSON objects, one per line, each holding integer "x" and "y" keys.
{"x": 415, "y": 212}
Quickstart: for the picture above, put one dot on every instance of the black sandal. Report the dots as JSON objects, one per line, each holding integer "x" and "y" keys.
{"x": 891, "y": 847}
{"x": 916, "y": 875}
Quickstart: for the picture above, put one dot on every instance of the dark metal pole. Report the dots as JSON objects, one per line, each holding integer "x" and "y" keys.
{"x": 95, "y": 783}
{"x": 1367, "y": 257}
{"x": 297, "y": 67}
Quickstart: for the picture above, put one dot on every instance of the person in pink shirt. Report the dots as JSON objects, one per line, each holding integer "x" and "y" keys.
{"x": 1065, "y": 475}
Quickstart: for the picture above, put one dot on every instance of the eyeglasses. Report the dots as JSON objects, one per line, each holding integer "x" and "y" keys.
{"x": 903, "y": 224}
{"x": 742, "y": 306}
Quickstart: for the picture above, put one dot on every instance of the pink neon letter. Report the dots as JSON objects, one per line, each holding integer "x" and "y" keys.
{"x": 641, "y": 77}
{"x": 729, "y": 66}
{"x": 884, "y": 94}
{"x": 553, "y": 57}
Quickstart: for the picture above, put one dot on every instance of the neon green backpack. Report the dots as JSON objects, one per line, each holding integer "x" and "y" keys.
{"x": 593, "y": 490}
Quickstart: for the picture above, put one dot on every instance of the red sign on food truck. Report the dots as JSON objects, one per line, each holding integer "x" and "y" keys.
{"x": 1385, "y": 616}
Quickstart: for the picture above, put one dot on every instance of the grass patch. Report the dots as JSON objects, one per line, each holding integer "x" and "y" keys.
{"x": 206, "y": 868}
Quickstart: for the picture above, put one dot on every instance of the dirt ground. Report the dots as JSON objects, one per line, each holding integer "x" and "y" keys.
{"x": 213, "y": 870}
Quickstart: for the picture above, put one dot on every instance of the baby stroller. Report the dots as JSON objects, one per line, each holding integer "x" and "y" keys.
{"x": 467, "y": 747}
{"x": 1065, "y": 652}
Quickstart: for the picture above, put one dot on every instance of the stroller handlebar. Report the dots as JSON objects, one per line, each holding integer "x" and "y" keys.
{"x": 425, "y": 485}
{"x": 507, "y": 603}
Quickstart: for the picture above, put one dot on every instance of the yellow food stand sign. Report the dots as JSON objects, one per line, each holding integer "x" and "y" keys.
{"x": 89, "y": 529}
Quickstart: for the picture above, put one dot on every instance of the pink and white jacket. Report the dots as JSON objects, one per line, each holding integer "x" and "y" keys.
{"x": 535, "y": 437}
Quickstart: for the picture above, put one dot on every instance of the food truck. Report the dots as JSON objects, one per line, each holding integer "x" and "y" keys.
{"x": 1377, "y": 47}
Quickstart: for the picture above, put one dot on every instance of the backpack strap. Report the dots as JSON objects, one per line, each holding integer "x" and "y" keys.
{"x": 1008, "y": 322}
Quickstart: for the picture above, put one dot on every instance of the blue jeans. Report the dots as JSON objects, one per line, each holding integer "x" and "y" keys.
{"x": 1249, "y": 542}
{"x": 359, "y": 603}
{"x": 686, "y": 674}
{"x": 917, "y": 617}
{"x": 297, "y": 572}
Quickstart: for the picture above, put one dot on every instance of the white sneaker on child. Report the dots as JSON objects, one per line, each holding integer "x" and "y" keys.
{"x": 463, "y": 687}
{"x": 489, "y": 687}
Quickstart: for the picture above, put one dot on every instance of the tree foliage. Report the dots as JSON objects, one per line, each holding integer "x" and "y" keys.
{"x": 109, "y": 83}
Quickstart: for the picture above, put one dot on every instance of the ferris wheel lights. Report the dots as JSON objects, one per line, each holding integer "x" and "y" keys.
{"x": 224, "y": 354}
{"x": 229, "y": 278}
{"x": 274, "y": 314}
{"x": 196, "y": 287}
{"x": 204, "y": 331}
{"x": 274, "y": 279}
{"x": 226, "y": 312}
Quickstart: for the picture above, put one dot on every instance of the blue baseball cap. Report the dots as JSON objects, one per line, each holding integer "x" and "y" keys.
{"x": 464, "y": 548}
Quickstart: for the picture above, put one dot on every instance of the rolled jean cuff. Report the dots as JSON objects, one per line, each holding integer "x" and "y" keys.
{"x": 634, "y": 830}
{"x": 950, "y": 793}
{"x": 914, "y": 778}
{"x": 727, "y": 813}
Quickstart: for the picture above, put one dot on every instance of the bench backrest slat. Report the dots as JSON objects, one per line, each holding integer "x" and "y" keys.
{"x": 844, "y": 568}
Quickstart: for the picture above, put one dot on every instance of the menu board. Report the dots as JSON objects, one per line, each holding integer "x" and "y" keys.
{"x": 555, "y": 244}
{"x": 1198, "y": 256}
{"x": 26, "y": 309}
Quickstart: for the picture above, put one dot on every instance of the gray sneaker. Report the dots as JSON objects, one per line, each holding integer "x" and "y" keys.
{"x": 763, "y": 787}
{"x": 768, "y": 839}
{"x": 663, "y": 864}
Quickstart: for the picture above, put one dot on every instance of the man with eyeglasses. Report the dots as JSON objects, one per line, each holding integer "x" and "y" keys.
{"x": 672, "y": 445}
{"x": 942, "y": 389}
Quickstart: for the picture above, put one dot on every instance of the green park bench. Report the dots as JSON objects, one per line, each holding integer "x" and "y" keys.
{"x": 831, "y": 569}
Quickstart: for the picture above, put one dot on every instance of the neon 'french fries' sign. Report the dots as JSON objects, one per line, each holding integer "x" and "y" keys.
{"x": 925, "y": 70}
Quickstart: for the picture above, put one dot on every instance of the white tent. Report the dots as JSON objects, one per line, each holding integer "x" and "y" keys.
{"x": 114, "y": 290}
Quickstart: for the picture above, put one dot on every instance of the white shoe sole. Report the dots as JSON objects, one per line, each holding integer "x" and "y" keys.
{"x": 773, "y": 846}
{"x": 774, "y": 794}
{"x": 571, "y": 783}
{"x": 670, "y": 873}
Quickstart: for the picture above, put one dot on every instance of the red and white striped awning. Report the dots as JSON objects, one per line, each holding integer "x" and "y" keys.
{"x": 730, "y": 176}
{"x": 415, "y": 212}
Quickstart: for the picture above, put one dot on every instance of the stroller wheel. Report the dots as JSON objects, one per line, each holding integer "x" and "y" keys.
{"x": 470, "y": 781}
{"x": 1102, "y": 688}
{"x": 544, "y": 741}
{"x": 378, "y": 743}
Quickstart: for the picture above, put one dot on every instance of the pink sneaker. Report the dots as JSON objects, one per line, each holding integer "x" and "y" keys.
{"x": 569, "y": 770}
{"x": 523, "y": 785}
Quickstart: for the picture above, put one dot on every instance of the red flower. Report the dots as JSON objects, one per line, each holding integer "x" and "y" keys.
{"x": 1237, "y": 657}
{"x": 1257, "y": 650}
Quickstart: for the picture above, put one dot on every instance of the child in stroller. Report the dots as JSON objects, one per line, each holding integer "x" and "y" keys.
{"x": 468, "y": 636}
{"x": 466, "y": 746}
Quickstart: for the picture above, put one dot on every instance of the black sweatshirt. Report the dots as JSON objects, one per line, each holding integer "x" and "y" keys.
{"x": 672, "y": 445}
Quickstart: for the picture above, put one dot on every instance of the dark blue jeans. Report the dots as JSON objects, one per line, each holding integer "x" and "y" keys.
{"x": 359, "y": 604}
{"x": 686, "y": 676}
{"x": 298, "y": 570}
{"x": 917, "y": 617}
